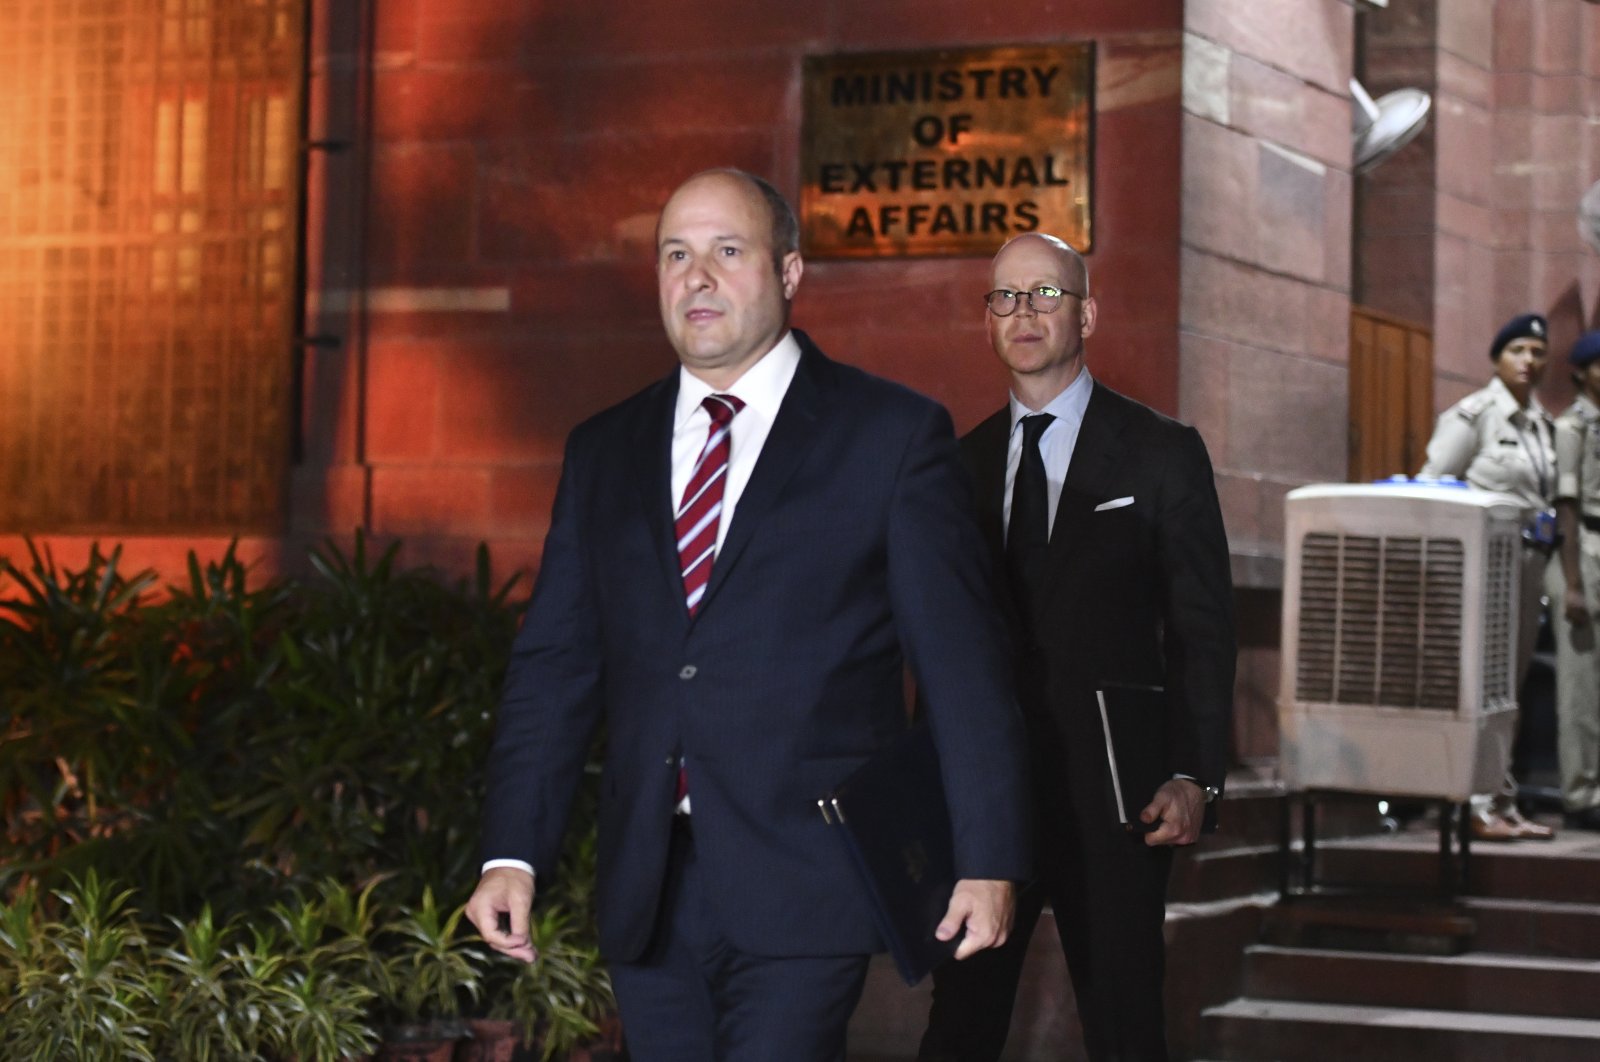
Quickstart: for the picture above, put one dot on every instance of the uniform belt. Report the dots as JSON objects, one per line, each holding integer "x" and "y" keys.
{"x": 1548, "y": 549}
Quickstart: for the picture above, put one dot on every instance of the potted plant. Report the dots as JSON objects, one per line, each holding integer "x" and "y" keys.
{"x": 563, "y": 1000}
{"x": 81, "y": 991}
{"x": 489, "y": 1039}
{"x": 211, "y": 1009}
{"x": 431, "y": 973}
{"x": 315, "y": 975}
{"x": 220, "y": 746}
{"x": 322, "y": 1017}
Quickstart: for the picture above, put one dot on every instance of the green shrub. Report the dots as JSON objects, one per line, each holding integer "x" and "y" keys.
{"x": 220, "y": 744}
{"x": 272, "y": 772}
{"x": 80, "y": 990}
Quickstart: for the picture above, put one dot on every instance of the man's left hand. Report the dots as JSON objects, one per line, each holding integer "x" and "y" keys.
{"x": 1181, "y": 806}
{"x": 985, "y": 908}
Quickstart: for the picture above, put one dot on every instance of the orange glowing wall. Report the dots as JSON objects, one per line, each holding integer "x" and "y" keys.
{"x": 501, "y": 230}
{"x": 148, "y": 230}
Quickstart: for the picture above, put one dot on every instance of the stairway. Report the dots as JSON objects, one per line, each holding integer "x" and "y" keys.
{"x": 1510, "y": 972}
{"x": 1218, "y": 891}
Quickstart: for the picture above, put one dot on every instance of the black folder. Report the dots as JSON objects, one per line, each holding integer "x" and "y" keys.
{"x": 892, "y": 818}
{"x": 1133, "y": 723}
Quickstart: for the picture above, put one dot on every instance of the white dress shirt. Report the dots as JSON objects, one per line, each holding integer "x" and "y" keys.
{"x": 761, "y": 388}
{"x": 1060, "y": 438}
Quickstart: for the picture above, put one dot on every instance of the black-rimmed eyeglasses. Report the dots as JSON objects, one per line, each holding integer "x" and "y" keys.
{"x": 1046, "y": 298}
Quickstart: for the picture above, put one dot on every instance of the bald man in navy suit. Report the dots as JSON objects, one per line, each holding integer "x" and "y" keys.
{"x": 741, "y": 681}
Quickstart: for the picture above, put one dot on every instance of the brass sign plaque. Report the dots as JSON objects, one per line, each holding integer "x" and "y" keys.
{"x": 946, "y": 153}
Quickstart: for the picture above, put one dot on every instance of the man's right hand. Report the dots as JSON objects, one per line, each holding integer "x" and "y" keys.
{"x": 984, "y": 909}
{"x": 1577, "y": 607}
{"x": 504, "y": 891}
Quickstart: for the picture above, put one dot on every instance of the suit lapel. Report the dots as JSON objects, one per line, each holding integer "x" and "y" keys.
{"x": 793, "y": 433}
{"x": 1088, "y": 479}
{"x": 987, "y": 465}
{"x": 651, "y": 447}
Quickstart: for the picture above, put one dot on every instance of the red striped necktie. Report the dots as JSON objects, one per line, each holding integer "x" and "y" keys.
{"x": 700, "y": 513}
{"x": 701, "y": 510}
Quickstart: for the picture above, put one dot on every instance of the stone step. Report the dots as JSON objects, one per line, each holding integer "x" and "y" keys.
{"x": 1535, "y": 927}
{"x": 1352, "y": 921}
{"x": 1255, "y": 1030}
{"x": 1203, "y": 874}
{"x": 1561, "y": 870}
{"x": 1516, "y": 984}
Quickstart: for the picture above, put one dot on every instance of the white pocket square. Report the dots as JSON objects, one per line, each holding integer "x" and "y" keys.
{"x": 1114, "y": 503}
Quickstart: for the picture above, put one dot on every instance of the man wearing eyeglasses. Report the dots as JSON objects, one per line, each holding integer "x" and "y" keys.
{"x": 1103, "y": 522}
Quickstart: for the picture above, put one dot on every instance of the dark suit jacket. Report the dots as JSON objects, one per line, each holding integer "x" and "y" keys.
{"x": 852, "y": 550}
{"x": 1138, "y": 594}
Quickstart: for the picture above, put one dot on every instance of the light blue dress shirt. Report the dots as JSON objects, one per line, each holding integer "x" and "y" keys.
{"x": 1055, "y": 445}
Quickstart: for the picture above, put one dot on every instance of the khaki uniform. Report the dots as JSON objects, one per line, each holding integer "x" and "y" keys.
{"x": 1492, "y": 443}
{"x": 1577, "y": 662}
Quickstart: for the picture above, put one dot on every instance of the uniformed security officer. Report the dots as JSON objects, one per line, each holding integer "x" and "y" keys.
{"x": 1502, "y": 439}
{"x": 1578, "y": 519}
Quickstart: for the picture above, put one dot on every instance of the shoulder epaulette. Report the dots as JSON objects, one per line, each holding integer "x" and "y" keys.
{"x": 1470, "y": 407}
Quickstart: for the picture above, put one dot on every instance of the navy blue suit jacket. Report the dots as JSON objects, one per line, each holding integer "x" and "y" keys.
{"x": 851, "y": 552}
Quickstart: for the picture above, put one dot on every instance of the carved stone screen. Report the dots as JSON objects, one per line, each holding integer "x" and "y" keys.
{"x": 148, "y": 232}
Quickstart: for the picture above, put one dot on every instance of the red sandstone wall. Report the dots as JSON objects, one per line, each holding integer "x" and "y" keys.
{"x": 1266, "y": 289}
{"x": 1476, "y": 221}
{"x": 1546, "y": 153}
{"x": 1266, "y": 256}
{"x": 519, "y": 153}
{"x": 1395, "y": 203}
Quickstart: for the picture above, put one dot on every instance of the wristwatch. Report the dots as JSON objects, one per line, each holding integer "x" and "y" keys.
{"x": 1211, "y": 792}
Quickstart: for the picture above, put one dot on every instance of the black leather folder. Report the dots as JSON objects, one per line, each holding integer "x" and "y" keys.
{"x": 1133, "y": 723}
{"x": 892, "y": 818}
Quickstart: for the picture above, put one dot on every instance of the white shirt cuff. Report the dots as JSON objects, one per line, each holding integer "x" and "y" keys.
{"x": 517, "y": 863}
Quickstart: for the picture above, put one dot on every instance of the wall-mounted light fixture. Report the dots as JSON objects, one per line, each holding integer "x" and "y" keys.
{"x": 1383, "y": 126}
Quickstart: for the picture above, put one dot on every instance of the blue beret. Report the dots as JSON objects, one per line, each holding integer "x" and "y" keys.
{"x": 1522, "y": 326}
{"x": 1586, "y": 349}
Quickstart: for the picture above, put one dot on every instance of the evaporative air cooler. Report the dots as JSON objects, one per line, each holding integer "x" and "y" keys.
{"x": 1399, "y": 622}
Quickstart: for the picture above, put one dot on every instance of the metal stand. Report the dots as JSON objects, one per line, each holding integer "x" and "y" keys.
{"x": 1297, "y": 872}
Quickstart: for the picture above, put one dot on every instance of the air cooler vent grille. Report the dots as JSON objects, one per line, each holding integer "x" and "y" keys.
{"x": 1498, "y": 613}
{"x": 1380, "y": 620}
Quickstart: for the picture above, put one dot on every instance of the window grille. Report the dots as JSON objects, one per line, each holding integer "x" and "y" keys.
{"x": 149, "y": 198}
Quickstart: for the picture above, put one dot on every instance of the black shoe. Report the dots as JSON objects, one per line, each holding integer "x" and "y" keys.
{"x": 1587, "y": 819}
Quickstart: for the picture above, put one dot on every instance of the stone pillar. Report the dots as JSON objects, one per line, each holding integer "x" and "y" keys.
{"x": 1265, "y": 288}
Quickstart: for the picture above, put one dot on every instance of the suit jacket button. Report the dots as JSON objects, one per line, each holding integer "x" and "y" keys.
{"x": 688, "y": 672}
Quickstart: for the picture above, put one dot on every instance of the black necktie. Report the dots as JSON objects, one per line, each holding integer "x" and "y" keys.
{"x": 1028, "y": 537}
